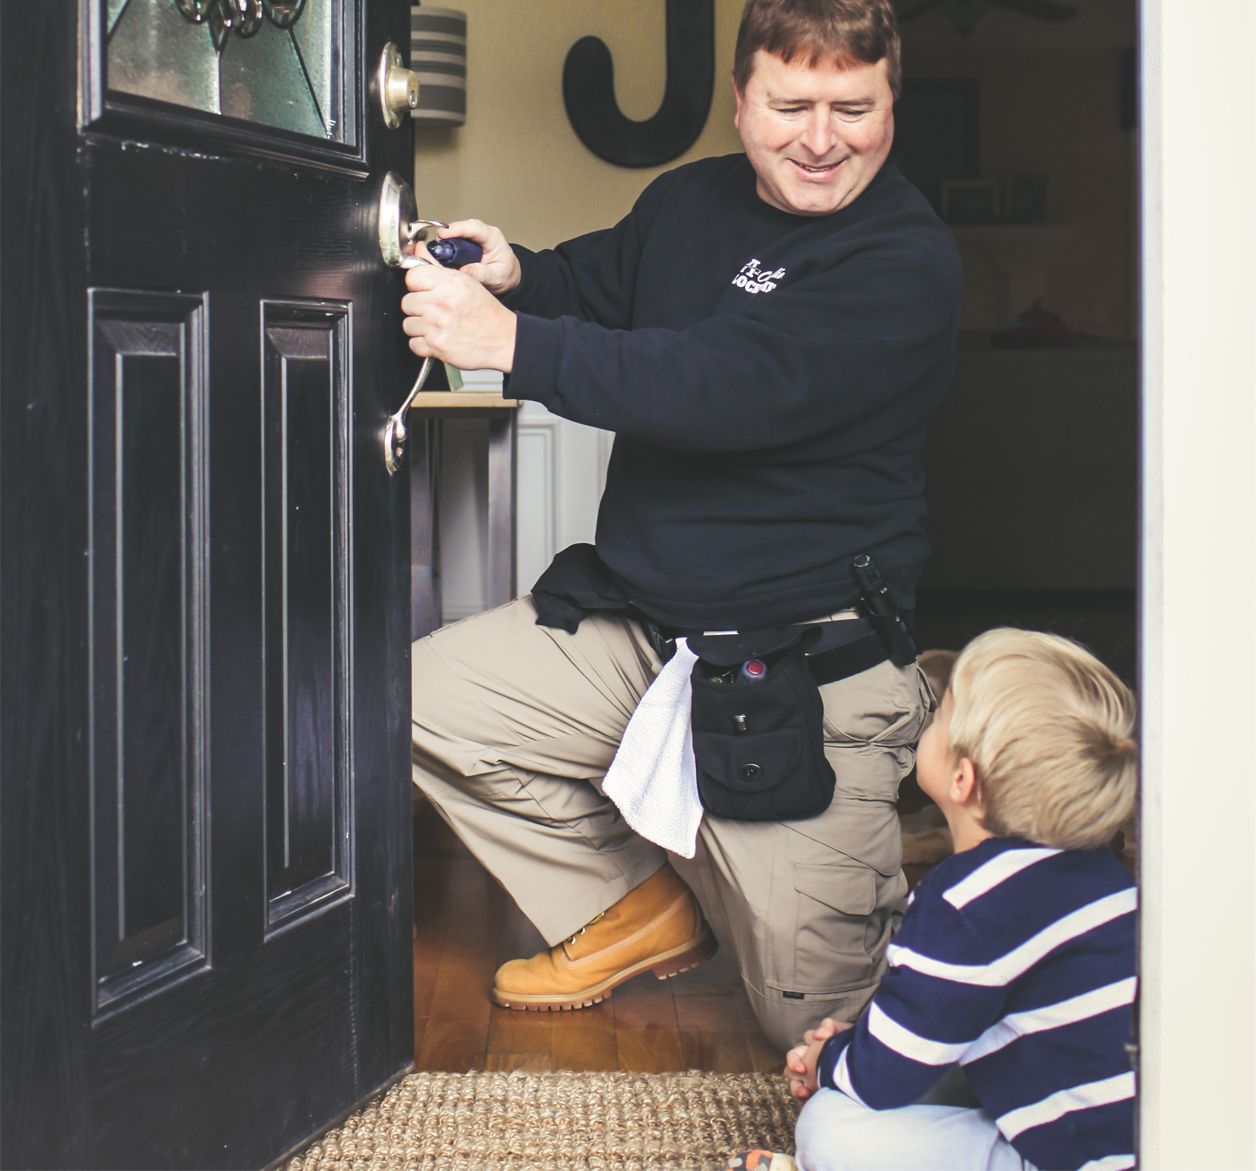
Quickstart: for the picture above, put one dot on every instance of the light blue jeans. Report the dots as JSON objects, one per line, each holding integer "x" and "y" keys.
{"x": 836, "y": 1133}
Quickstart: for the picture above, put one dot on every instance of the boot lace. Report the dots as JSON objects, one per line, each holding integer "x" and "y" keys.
{"x": 573, "y": 938}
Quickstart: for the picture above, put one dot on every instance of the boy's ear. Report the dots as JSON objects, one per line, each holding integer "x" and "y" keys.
{"x": 964, "y": 789}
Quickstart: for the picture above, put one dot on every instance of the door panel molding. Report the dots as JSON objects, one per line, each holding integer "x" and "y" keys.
{"x": 538, "y": 497}
{"x": 558, "y": 506}
{"x": 561, "y": 473}
{"x": 307, "y": 652}
{"x": 147, "y": 571}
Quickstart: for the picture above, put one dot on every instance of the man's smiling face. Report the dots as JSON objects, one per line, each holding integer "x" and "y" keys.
{"x": 815, "y": 135}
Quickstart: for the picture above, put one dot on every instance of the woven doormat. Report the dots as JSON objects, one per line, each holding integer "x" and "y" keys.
{"x": 560, "y": 1121}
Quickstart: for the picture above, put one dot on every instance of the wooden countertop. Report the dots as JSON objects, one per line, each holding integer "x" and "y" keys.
{"x": 462, "y": 400}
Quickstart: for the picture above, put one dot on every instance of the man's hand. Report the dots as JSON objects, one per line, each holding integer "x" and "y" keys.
{"x": 498, "y": 269}
{"x": 800, "y": 1061}
{"x": 452, "y": 317}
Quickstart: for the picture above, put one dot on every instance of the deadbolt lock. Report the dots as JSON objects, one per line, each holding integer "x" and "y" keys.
{"x": 398, "y": 86}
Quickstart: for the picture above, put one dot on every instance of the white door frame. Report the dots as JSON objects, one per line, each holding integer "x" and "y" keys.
{"x": 1198, "y": 585}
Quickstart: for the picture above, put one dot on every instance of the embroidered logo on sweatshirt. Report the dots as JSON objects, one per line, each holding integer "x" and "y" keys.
{"x": 754, "y": 280}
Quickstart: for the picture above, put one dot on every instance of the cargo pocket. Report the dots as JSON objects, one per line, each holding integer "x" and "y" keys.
{"x": 852, "y": 831}
{"x": 828, "y": 952}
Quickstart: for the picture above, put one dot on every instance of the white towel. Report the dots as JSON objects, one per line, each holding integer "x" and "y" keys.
{"x": 652, "y": 777}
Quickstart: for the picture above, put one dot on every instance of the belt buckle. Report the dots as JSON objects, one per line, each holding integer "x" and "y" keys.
{"x": 664, "y": 646}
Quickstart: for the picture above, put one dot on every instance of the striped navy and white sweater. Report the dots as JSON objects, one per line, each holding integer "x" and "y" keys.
{"x": 1017, "y": 962}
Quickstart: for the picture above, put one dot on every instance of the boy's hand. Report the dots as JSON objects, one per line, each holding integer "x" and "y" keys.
{"x": 801, "y": 1060}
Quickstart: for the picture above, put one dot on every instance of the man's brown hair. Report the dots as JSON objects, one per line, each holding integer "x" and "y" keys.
{"x": 841, "y": 32}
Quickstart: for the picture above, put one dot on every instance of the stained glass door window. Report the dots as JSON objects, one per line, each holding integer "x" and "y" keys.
{"x": 273, "y": 62}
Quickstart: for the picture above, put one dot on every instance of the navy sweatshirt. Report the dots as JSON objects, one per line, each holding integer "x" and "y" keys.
{"x": 767, "y": 377}
{"x": 1016, "y": 961}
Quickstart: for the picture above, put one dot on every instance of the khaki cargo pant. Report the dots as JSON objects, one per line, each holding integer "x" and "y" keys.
{"x": 515, "y": 724}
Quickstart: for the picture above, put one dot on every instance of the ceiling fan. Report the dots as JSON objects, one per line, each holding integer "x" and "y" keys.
{"x": 966, "y": 15}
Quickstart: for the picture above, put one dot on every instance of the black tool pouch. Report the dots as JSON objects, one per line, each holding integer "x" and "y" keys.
{"x": 759, "y": 746}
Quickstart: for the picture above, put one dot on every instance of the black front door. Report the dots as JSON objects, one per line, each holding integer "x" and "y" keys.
{"x": 206, "y": 911}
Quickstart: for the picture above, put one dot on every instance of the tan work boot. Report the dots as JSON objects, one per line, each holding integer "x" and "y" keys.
{"x": 657, "y": 925}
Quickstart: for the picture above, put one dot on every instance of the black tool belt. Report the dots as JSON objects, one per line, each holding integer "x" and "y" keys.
{"x": 843, "y": 646}
{"x": 758, "y": 717}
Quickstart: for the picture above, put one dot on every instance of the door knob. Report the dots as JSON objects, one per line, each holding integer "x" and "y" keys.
{"x": 395, "y": 431}
{"x": 398, "y": 227}
{"x": 397, "y": 212}
{"x": 398, "y": 87}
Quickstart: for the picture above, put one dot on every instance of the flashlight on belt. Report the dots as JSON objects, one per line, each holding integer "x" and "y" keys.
{"x": 883, "y": 611}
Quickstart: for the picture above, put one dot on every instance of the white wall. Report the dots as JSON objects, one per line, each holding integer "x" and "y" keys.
{"x": 1199, "y": 587}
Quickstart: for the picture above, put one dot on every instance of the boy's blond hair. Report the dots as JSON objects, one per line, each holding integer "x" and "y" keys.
{"x": 1049, "y": 730}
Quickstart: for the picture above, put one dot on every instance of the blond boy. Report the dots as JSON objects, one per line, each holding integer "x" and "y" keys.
{"x": 1016, "y": 957}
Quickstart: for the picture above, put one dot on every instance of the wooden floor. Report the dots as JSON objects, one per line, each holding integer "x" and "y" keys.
{"x": 465, "y": 926}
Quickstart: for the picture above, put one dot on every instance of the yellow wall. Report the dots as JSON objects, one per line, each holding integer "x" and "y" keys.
{"x": 517, "y": 162}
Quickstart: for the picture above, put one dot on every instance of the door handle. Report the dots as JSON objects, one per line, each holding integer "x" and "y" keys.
{"x": 397, "y": 87}
{"x": 398, "y": 227}
{"x": 395, "y": 432}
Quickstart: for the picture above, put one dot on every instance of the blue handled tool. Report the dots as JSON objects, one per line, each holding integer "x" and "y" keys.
{"x": 455, "y": 251}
